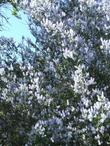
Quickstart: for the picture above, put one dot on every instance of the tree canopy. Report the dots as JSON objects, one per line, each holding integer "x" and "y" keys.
{"x": 58, "y": 94}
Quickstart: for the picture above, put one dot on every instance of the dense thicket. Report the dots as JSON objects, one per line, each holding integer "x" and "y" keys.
{"x": 56, "y": 91}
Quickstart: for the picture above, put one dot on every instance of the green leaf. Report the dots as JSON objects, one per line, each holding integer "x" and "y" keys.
{"x": 14, "y": 12}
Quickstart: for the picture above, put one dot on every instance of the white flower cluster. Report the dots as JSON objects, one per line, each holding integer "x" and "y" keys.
{"x": 82, "y": 80}
{"x": 105, "y": 46}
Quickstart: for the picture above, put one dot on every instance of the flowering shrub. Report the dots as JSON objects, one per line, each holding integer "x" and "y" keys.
{"x": 60, "y": 91}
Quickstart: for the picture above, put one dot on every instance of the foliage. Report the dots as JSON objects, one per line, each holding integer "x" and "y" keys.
{"x": 58, "y": 95}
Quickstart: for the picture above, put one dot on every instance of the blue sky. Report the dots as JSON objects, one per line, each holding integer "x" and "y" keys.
{"x": 16, "y": 28}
